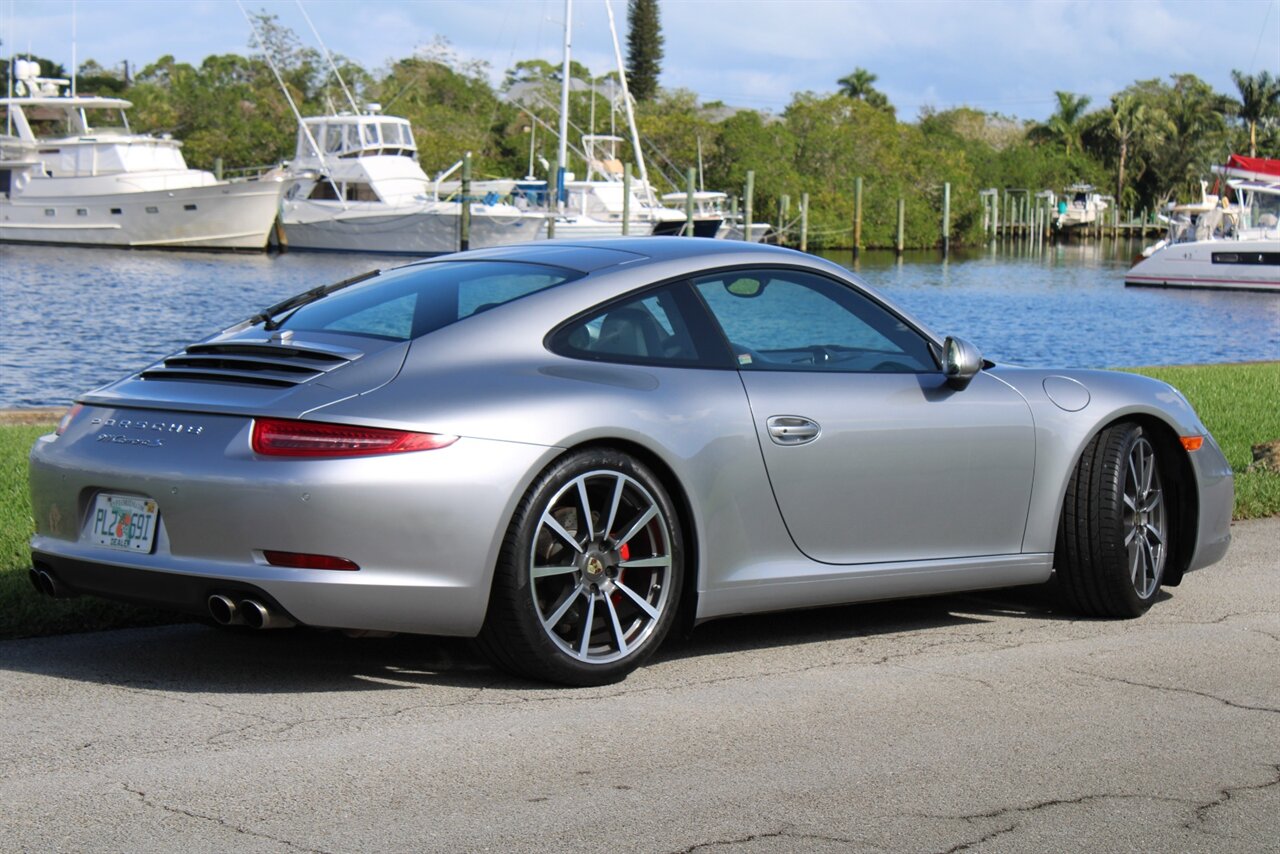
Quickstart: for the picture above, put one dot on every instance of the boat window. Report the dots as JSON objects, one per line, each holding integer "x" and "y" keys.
{"x": 323, "y": 190}
{"x": 360, "y": 191}
{"x": 390, "y": 133}
{"x": 413, "y": 301}
{"x": 788, "y": 320}
{"x": 370, "y": 133}
{"x": 333, "y": 139}
{"x": 353, "y": 137}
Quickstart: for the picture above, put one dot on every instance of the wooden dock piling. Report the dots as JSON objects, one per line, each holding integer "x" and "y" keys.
{"x": 946, "y": 218}
{"x": 690, "y": 181}
{"x": 857, "y": 216}
{"x": 748, "y": 201}
{"x": 464, "y": 235}
{"x": 900, "y": 244}
{"x": 626, "y": 200}
{"x": 804, "y": 222}
{"x": 553, "y": 201}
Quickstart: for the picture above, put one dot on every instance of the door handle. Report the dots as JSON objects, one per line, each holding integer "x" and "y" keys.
{"x": 793, "y": 429}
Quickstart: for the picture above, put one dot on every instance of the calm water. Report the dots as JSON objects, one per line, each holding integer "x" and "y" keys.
{"x": 73, "y": 319}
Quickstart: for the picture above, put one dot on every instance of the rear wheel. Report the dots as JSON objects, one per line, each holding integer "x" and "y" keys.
{"x": 1114, "y": 537}
{"x": 588, "y": 580}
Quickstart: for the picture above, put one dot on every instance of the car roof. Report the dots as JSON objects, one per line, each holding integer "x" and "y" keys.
{"x": 588, "y": 256}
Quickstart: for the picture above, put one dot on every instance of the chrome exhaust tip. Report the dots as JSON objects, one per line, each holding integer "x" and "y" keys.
{"x": 259, "y": 616}
{"x": 224, "y": 611}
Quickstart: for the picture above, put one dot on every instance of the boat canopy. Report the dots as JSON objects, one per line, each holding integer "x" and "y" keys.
{"x": 352, "y": 136}
{"x": 1256, "y": 168}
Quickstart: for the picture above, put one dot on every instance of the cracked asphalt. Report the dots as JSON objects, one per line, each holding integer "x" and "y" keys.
{"x": 967, "y": 723}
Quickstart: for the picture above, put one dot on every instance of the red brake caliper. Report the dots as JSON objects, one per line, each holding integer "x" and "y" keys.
{"x": 624, "y": 554}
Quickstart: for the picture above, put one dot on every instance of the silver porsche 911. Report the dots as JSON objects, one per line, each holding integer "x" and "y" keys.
{"x": 562, "y": 449}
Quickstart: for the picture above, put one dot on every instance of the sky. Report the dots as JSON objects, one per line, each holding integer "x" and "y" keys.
{"x": 1004, "y": 56}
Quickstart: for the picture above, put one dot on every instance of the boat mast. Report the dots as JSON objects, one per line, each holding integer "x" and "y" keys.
{"x": 626, "y": 99}
{"x": 302, "y": 126}
{"x": 336, "y": 73}
{"x": 564, "y": 105}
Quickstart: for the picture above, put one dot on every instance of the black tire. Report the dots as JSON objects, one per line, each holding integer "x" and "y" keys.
{"x": 1114, "y": 537}
{"x": 590, "y": 607}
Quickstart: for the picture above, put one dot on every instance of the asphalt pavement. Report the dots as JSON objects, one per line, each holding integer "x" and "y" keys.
{"x": 967, "y": 723}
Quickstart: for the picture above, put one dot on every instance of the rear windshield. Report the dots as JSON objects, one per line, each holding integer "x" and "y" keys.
{"x": 412, "y": 301}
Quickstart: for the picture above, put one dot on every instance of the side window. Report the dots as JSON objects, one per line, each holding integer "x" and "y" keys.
{"x": 787, "y": 320}
{"x": 651, "y": 329}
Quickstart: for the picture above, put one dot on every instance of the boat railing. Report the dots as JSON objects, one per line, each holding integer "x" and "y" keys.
{"x": 251, "y": 173}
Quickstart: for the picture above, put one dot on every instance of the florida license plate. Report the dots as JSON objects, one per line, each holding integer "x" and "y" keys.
{"x": 124, "y": 522}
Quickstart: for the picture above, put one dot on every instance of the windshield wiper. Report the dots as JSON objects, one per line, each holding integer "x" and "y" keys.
{"x": 267, "y": 317}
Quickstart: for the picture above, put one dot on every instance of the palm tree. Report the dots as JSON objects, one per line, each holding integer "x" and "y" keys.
{"x": 1259, "y": 99}
{"x": 1125, "y": 122}
{"x": 857, "y": 85}
{"x": 1064, "y": 124}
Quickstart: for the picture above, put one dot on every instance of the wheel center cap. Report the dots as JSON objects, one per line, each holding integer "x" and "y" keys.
{"x": 594, "y": 567}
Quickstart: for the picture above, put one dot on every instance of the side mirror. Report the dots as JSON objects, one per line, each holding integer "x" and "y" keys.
{"x": 961, "y": 362}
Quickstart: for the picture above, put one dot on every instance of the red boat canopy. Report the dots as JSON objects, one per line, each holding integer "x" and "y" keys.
{"x": 1258, "y": 166}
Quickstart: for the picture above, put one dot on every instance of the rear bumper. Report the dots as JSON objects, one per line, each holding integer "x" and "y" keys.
{"x": 424, "y": 528}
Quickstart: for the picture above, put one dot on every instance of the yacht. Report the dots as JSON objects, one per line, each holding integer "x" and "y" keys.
{"x": 595, "y": 205}
{"x": 709, "y": 207}
{"x": 356, "y": 185}
{"x": 1080, "y": 204}
{"x": 72, "y": 172}
{"x": 1217, "y": 244}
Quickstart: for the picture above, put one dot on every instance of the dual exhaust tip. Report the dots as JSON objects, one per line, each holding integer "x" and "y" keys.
{"x": 246, "y": 612}
{"x": 47, "y": 584}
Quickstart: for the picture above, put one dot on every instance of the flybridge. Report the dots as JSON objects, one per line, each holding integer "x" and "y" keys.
{"x": 352, "y": 136}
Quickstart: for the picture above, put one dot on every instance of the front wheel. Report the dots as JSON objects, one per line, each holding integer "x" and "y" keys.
{"x": 1114, "y": 536}
{"x": 588, "y": 580}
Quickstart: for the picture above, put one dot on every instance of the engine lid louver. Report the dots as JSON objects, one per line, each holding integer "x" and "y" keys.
{"x": 257, "y": 363}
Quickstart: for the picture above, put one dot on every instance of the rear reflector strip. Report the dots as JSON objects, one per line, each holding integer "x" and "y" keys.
{"x": 278, "y": 437}
{"x": 298, "y": 560}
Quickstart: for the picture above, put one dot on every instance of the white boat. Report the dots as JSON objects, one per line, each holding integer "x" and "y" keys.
{"x": 357, "y": 186}
{"x": 595, "y": 205}
{"x": 710, "y": 206}
{"x": 1080, "y": 205}
{"x": 1218, "y": 245}
{"x": 72, "y": 172}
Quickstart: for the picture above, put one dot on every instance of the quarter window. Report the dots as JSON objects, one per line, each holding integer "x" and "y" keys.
{"x": 787, "y": 320}
{"x": 650, "y": 329}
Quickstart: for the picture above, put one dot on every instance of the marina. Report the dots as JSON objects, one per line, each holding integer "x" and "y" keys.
{"x": 76, "y": 318}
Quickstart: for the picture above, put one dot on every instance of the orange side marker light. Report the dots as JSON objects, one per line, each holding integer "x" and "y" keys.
{"x": 1191, "y": 443}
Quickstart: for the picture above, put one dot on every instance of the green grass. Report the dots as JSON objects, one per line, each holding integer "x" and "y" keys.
{"x": 1239, "y": 403}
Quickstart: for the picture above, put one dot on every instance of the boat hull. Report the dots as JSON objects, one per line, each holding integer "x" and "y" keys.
{"x": 214, "y": 216}
{"x": 419, "y": 231}
{"x": 1252, "y": 265}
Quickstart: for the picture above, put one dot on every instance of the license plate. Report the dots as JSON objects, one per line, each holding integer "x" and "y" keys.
{"x": 124, "y": 522}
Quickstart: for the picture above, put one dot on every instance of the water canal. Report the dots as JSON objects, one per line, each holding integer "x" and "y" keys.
{"x": 75, "y": 318}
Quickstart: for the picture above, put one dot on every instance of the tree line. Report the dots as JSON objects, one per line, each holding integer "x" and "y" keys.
{"x": 1153, "y": 141}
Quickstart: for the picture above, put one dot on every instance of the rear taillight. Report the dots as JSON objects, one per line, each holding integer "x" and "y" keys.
{"x": 276, "y": 437}
{"x": 299, "y": 560}
{"x": 68, "y": 418}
